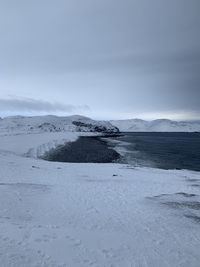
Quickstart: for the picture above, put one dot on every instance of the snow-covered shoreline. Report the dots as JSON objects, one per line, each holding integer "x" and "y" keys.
{"x": 35, "y": 145}
{"x": 67, "y": 214}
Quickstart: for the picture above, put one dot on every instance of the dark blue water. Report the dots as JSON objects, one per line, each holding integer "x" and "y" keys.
{"x": 162, "y": 150}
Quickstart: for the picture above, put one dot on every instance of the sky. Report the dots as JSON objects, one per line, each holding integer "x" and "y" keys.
{"x": 105, "y": 59}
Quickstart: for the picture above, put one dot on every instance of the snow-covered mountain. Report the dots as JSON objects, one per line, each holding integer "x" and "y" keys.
{"x": 40, "y": 124}
{"x": 76, "y": 123}
{"x": 161, "y": 125}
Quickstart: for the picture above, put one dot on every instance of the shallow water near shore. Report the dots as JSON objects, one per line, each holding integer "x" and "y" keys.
{"x": 84, "y": 150}
{"x": 160, "y": 150}
{"x": 157, "y": 150}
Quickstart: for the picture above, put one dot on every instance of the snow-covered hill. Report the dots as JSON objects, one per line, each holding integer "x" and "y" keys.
{"x": 40, "y": 124}
{"x": 76, "y": 123}
{"x": 162, "y": 125}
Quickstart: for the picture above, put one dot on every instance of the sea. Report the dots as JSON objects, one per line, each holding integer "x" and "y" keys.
{"x": 163, "y": 150}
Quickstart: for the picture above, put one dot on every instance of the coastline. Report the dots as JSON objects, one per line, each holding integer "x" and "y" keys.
{"x": 102, "y": 214}
{"x": 90, "y": 149}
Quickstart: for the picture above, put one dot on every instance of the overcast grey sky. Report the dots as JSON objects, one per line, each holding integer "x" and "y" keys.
{"x": 105, "y": 59}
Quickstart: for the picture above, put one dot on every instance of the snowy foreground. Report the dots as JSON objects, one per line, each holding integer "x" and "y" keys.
{"x": 63, "y": 214}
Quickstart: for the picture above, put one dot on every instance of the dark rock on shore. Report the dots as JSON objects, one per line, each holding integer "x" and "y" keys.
{"x": 94, "y": 128}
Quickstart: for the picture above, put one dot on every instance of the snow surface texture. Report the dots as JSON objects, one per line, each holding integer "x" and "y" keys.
{"x": 65, "y": 214}
{"x": 136, "y": 125}
{"x": 60, "y": 214}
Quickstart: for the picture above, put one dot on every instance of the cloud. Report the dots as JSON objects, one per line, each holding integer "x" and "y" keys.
{"x": 34, "y": 105}
{"x": 116, "y": 56}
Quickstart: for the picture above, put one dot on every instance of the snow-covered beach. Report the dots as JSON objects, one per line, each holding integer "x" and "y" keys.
{"x": 100, "y": 133}
{"x": 86, "y": 214}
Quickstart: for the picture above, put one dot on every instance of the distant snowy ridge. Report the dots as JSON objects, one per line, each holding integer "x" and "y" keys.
{"x": 41, "y": 124}
{"x": 161, "y": 125}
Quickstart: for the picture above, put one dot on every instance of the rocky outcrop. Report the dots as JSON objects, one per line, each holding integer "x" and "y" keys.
{"x": 81, "y": 126}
